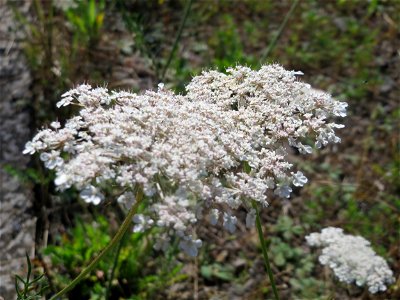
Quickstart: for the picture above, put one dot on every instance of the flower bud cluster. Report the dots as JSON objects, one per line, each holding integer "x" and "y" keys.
{"x": 213, "y": 150}
{"x": 352, "y": 259}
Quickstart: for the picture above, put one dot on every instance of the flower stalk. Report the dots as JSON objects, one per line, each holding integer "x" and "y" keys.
{"x": 118, "y": 236}
{"x": 264, "y": 251}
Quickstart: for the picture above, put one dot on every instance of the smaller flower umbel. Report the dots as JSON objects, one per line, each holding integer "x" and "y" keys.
{"x": 352, "y": 259}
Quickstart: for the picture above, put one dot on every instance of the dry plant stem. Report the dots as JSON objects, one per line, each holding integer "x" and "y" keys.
{"x": 279, "y": 33}
{"x": 196, "y": 279}
{"x": 264, "y": 251}
{"x": 120, "y": 233}
{"x": 178, "y": 37}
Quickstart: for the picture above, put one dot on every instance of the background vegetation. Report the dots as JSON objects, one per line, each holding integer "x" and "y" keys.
{"x": 348, "y": 47}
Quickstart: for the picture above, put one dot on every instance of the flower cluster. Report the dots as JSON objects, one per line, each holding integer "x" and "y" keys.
{"x": 352, "y": 259}
{"x": 219, "y": 147}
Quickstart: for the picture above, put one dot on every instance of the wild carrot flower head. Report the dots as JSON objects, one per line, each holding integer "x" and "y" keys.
{"x": 213, "y": 150}
{"x": 352, "y": 259}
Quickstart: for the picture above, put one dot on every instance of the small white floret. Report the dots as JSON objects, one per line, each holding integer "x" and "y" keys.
{"x": 29, "y": 148}
{"x": 141, "y": 223}
{"x": 91, "y": 194}
{"x": 251, "y": 218}
{"x": 214, "y": 215}
{"x": 190, "y": 246}
{"x": 52, "y": 160}
{"x": 299, "y": 179}
{"x": 230, "y": 222}
{"x": 283, "y": 191}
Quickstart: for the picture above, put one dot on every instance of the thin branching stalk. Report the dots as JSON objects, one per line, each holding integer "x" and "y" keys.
{"x": 264, "y": 251}
{"x": 114, "y": 267}
{"x": 272, "y": 44}
{"x": 178, "y": 37}
{"x": 120, "y": 233}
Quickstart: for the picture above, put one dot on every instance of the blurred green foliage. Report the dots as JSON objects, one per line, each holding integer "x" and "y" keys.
{"x": 218, "y": 271}
{"x": 227, "y": 46}
{"x": 87, "y": 19}
{"x": 84, "y": 241}
{"x": 294, "y": 261}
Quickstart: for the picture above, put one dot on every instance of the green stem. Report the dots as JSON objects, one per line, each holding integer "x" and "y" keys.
{"x": 120, "y": 233}
{"x": 114, "y": 267}
{"x": 178, "y": 36}
{"x": 279, "y": 33}
{"x": 264, "y": 251}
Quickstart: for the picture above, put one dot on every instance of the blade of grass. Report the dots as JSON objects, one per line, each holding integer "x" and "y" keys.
{"x": 178, "y": 37}
{"x": 272, "y": 44}
{"x": 29, "y": 268}
{"x": 120, "y": 245}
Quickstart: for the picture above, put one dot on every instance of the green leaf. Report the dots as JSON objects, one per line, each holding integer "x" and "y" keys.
{"x": 37, "y": 279}
{"x": 225, "y": 273}
{"x": 17, "y": 277}
{"x": 206, "y": 271}
{"x": 17, "y": 288}
{"x": 279, "y": 260}
{"x": 92, "y": 13}
{"x": 29, "y": 268}
{"x": 246, "y": 167}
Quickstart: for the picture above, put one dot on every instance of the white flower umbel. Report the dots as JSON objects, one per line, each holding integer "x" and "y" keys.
{"x": 221, "y": 146}
{"x": 352, "y": 259}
